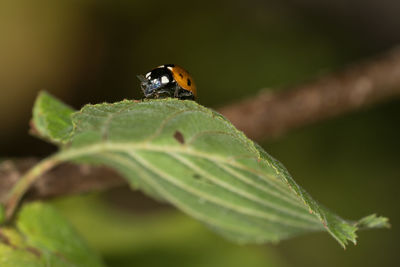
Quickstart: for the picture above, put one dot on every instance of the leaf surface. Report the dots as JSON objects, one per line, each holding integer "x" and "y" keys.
{"x": 192, "y": 157}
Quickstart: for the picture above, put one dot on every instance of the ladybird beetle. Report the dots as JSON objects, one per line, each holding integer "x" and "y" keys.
{"x": 168, "y": 81}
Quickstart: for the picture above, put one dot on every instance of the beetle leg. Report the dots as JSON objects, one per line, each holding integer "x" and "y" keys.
{"x": 176, "y": 91}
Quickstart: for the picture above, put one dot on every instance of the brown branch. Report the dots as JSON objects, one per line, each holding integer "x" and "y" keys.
{"x": 64, "y": 179}
{"x": 272, "y": 114}
{"x": 263, "y": 116}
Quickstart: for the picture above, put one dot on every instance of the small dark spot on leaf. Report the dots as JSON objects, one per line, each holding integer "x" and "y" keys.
{"x": 34, "y": 251}
{"x": 197, "y": 176}
{"x": 189, "y": 82}
{"x": 179, "y": 137}
{"x": 201, "y": 179}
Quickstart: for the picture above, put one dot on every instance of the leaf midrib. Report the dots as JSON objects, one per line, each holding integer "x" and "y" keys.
{"x": 71, "y": 152}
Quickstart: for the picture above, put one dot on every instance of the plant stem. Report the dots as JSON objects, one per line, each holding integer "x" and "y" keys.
{"x": 23, "y": 184}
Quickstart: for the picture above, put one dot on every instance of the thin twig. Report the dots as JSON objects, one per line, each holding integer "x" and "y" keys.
{"x": 260, "y": 117}
{"x": 64, "y": 179}
{"x": 22, "y": 185}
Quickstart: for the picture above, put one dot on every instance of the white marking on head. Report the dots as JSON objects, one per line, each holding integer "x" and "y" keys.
{"x": 169, "y": 67}
{"x": 148, "y": 75}
{"x": 164, "y": 79}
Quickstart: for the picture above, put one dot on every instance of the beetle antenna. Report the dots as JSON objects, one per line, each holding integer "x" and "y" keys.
{"x": 141, "y": 78}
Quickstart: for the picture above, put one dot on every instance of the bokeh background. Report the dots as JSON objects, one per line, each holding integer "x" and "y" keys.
{"x": 90, "y": 51}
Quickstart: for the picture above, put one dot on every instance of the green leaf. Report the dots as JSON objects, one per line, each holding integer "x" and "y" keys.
{"x": 52, "y": 119}
{"x": 42, "y": 238}
{"x": 193, "y": 158}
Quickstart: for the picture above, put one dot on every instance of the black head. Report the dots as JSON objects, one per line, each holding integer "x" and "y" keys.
{"x": 158, "y": 82}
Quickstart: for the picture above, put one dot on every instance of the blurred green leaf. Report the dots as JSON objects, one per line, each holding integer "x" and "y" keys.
{"x": 192, "y": 157}
{"x": 42, "y": 237}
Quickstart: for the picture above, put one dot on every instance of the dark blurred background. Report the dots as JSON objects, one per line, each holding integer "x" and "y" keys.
{"x": 90, "y": 51}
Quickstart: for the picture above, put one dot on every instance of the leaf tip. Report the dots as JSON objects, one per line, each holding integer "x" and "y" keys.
{"x": 373, "y": 221}
{"x": 51, "y": 118}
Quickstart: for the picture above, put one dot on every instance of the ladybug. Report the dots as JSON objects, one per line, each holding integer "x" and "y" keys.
{"x": 168, "y": 81}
